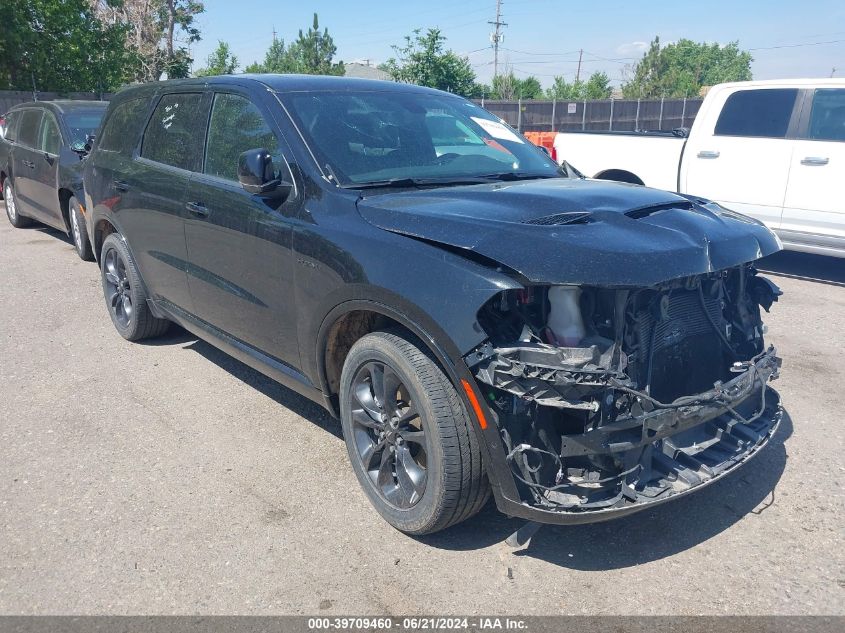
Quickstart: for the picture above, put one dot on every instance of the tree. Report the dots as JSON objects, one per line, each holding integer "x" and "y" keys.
{"x": 312, "y": 53}
{"x": 276, "y": 60}
{"x": 158, "y": 34}
{"x": 597, "y": 86}
{"x": 683, "y": 68}
{"x": 509, "y": 87}
{"x": 63, "y": 47}
{"x": 220, "y": 62}
{"x": 424, "y": 61}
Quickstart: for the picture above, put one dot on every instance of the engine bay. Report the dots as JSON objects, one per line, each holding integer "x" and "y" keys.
{"x": 608, "y": 397}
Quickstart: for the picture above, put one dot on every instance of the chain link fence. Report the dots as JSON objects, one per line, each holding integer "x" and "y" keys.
{"x": 607, "y": 114}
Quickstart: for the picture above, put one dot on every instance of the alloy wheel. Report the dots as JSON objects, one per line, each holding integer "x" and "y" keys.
{"x": 10, "y": 202}
{"x": 118, "y": 291}
{"x": 77, "y": 235}
{"x": 388, "y": 435}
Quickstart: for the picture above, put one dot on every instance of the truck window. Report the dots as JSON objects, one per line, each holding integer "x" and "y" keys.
{"x": 28, "y": 131}
{"x": 759, "y": 113}
{"x": 120, "y": 133}
{"x": 827, "y": 118}
{"x": 174, "y": 135}
{"x": 236, "y": 126}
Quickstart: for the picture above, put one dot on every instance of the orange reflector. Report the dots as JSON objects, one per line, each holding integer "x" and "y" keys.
{"x": 474, "y": 402}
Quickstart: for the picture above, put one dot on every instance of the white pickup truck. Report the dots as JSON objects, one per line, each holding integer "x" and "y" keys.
{"x": 773, "y": 150}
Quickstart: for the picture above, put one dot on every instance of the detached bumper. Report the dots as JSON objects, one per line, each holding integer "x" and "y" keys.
{"x": 653, "y": 457}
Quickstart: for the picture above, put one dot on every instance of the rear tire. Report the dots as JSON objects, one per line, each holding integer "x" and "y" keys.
{"x": 12, "y": 212}
{"x": 78, "y": 231}
{"x": 409, "y": 437}
{"x": 126, "y": 298}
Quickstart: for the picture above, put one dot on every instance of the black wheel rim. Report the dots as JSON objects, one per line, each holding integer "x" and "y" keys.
{"x": 389, "y": 438}
{"x": 118, "y": 293}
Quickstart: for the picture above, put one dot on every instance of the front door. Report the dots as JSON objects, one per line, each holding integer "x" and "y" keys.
{"x": 743, "y": 161}
{"x": 240, "y": 269}
{"x": 814, "y": 210}
{"x": 46, "y": 171}
{"x": 26, "y": 156}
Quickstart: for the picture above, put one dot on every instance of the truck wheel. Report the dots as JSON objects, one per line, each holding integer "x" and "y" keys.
{"x": 409, "y": 437}
{"x": 126, "y": 298}
{"x": 15, "y": 218}
{"x": 79, "y": 232}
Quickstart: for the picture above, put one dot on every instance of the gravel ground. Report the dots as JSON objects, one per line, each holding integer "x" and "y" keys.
{"x": 168, "y": 478}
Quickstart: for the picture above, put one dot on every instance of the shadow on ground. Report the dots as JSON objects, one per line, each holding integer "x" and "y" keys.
{"x": 816, "y": 268}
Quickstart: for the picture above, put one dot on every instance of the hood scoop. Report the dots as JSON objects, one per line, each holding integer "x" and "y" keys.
{"x": 643, "y": 212}
{"x": 559, "y": 219}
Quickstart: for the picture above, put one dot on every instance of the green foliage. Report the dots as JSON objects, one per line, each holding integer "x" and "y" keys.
{"x": 509, "y": 87}
{"x": 597, "y": 86}
{"x": 312, "y": 53}
{"x": 59, "y": 46}
{"x": 424, "y": 61}
{"x": 276, "y": 60}
{"x": 220, "y": 62}
{"x": 683, "y": 68}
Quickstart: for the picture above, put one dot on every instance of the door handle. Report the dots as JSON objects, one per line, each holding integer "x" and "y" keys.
{"x": 120, "y": 185}
{"x": 198, "y": 209}
{"x": 815, "y": 160}
{"x": 706, "y": 153}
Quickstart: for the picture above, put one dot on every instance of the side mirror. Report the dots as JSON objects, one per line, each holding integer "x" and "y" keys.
{"x": 256, "y": 174}
{"x": 80, "y": 147}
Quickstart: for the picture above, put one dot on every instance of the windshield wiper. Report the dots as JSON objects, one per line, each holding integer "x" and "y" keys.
{"x": 398, "y": 183}
{"x": 517, "y": 175}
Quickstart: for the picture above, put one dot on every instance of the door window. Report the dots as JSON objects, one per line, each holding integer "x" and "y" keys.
{"x": 174, "y": 134}
{"x": 50, "y": 139}
{"x": 236, "y": 126}
{"x": 758, "y": 113}
{"x": 120, "y": 133}
{"x": 28, "y": 132}
{"x": 827, "y": 119}
{"x": 12, "y": 120}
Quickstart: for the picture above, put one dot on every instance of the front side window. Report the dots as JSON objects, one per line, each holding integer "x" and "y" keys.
{"x": 120, "y": 133}
{"x": 757, "y": 113}
{"x": 174, "y": 134}
{"x": 827, "y": 118}
{"x": 236, "y": 126}
{"x": 29, "y": 126}
{"x": 50, "y": 139}
{"x": 370, "y": 137}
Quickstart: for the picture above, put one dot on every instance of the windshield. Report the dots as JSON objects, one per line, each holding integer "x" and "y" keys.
{"x": 375, "y": 137}
{"x": 81, "y": 124}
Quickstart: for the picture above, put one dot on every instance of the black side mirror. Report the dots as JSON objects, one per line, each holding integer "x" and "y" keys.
{"x": 256, "y": 174}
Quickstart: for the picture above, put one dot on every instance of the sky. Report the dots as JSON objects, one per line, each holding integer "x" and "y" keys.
{"x": 543, "y": 38}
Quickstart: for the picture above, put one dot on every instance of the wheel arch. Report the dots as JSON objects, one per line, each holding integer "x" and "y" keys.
{"x": 65, "y": 195}
{"x": 103, "y": 227}
{"x": 619, "y": 175}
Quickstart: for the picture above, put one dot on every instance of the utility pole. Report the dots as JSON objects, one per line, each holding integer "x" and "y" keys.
{"x": 578, "y": 73}
{"x": 274, "y": 34}
{"x": 497, "y": 36}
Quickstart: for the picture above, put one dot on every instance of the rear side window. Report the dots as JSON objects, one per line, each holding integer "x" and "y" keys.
{"x": 11, "y": 130}
{"x": 827, "y": 118}
{"x": 120, "y": 133}
{"x": 28, "y": 130}
{"x": 174, "y": 135}
{"x": 759, "y": 113}
{"x": 49, "y": 139}
{"x": 236, "y": 126}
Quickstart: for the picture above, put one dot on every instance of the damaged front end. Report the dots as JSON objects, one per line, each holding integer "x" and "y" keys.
{"x": 610, "y": 399}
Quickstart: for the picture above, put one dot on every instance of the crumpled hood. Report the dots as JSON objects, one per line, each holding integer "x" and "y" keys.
{"x": 610, "y": 234}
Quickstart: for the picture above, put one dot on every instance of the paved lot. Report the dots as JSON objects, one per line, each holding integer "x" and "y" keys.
{"x": 168, "y": 478}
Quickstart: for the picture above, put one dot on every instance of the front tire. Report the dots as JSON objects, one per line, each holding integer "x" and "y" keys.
{"x": 409, "y": 437}
{"x": 78, "y": 231}
{"x": 15, "y": 218}
{"x": 126, "y": 298}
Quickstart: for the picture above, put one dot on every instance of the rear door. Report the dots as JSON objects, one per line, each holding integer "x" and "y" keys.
{"x": 25, "y": 156}
{"x": 814, "y": 210}
{"x": 742, "y": 160}
{"x": 239, "y": 245}
{"x": 151, "y": 192}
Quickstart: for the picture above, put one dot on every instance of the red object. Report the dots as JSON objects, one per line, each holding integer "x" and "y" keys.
{"x": 482, "y": 421}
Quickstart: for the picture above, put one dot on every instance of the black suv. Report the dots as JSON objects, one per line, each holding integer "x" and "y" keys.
{"x": 40, "y": 164}
{"x": 478, "y": 317}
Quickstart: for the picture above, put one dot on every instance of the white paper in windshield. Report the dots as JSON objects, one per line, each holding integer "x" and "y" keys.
{"x": 497, "y": 130}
